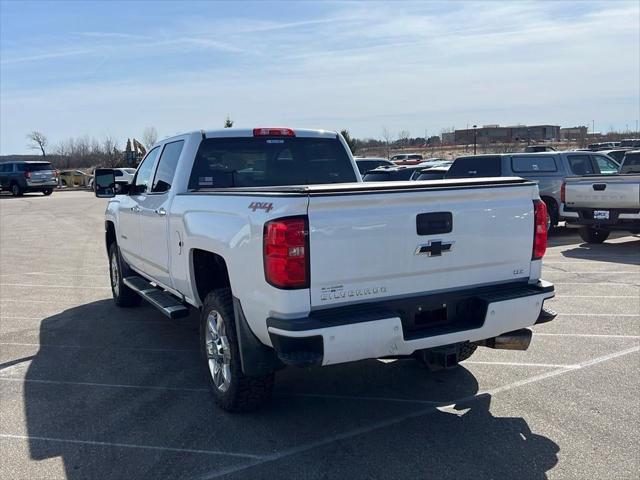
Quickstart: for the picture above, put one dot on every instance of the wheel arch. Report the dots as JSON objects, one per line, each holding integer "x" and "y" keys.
{"x": 109, "y": 234}
{"x": 208, "y": 271}
{"x": 553, "y": 207}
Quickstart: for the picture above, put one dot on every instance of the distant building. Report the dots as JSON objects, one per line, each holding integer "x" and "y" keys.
{"x": 509, "y": 134}
{"x": 448, "y": 137}
{"x": 574, "y": 133}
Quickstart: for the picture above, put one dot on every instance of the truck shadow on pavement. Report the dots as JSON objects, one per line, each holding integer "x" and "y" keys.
{"x": 622, "y": 253}
{"x": 121, "y": 394}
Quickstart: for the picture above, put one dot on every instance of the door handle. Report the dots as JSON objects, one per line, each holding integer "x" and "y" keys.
{"x": 160, "y": 211}
{"x": 135, "y": 209}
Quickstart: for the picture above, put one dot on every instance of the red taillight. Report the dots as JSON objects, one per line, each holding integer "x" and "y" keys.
{"x": 540, "y": 229}
{"x": 286, "y": 252}
{"x": 273, "y": 132}
{"x": 563, "y": 191}
{"x": 27, "y": 174}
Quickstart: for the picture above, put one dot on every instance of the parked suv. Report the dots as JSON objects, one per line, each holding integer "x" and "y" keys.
{"x": 21, "y": 177}
{"x": 394, "y": 173}
{"x": 369, "y": 163}
{"x": 407, "y": 158}
{"x": 547, "y": 168}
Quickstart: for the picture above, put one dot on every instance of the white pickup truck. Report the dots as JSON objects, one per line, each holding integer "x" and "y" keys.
{"x": 600, "y": 204}
{"x": 292, "y": 260}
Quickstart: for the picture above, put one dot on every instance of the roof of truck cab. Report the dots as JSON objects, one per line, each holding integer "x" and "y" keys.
{"x": 248, "y": 132}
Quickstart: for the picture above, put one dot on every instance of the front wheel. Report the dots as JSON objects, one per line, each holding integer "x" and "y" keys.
{"x": 123, "y": 296}
{"x": 232, "y": 390}
{"x": 47, "y": 191}
{"x": 593, "y": 235}
{"x": 16, "y": 191}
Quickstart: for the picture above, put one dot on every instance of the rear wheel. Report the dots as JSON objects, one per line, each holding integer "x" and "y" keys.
{"x": 47, "y": 191}
{"x": 123, "y": 296}
{"x": 466, "y": 350}
{"x": 593, "y": 235}
{"x": 16, "y": 191}
{"x": 232, "y": 389}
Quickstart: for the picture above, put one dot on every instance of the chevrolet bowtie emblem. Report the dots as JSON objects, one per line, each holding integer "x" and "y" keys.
{"x": 434, "y": 248}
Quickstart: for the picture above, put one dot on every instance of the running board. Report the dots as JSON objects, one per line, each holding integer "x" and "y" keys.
{"x": 166, "y": 303}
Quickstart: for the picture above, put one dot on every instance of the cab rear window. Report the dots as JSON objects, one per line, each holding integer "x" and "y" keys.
{"x": 270, "y": 161}
{"x": 631, "y": 163}
{"x": 469, "y": 167}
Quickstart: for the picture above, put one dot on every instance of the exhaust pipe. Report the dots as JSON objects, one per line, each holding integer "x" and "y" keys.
{"x": 516, "y": 340}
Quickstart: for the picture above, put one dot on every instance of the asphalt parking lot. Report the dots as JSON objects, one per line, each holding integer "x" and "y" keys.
{"x": 88, "y": 390}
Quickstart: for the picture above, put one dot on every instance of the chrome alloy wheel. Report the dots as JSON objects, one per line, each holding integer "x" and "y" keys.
{"x": 218, "y": 351}
{"x": 115, "y": 274}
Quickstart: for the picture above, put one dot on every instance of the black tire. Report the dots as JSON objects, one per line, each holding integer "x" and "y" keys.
{"x": 552, "y": 216}
{"x": 232, "y": 390}
{"x": 16, "y": 191}
{"x": 123, "y": 296}
{"x": 593, "y": 235}
{"x": 63, "y": 183}
{"x": 466, "y": 350}
{"x": 47, "y": 191}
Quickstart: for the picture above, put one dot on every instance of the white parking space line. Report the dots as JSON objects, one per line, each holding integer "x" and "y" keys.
{"x": 127, "y": 445}
{"x": 591, "y": 272}
{"x": 588, "y": 335}
{"x": 102, "y": 385}
{"x": 599, "y": 315}
{"x": 75, "y": 287}
{"x": 401, "y": 418}
{"x": 611, "y": 284}
{"x": 596, "y": 296}
{"x": 518, "y": 364}
{"x": 99, "y": 347}
{"x": 56, "y": 274}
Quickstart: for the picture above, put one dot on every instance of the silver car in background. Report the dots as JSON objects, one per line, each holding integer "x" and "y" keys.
{"x": 547, "y": 168}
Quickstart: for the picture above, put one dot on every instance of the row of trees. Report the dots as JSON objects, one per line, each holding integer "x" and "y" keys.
{"x": 85, "y": 151}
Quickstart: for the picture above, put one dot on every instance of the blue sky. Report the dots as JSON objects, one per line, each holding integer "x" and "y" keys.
{"x": 113, "y": 68}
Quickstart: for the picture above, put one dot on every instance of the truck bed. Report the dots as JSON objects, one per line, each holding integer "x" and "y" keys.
{"x": 365, "y": 187}
{"x": 603, "y": 191}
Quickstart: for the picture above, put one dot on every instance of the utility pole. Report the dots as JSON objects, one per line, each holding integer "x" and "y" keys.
{"x": 593, "y": 127}
{"x": 475, "y": 138}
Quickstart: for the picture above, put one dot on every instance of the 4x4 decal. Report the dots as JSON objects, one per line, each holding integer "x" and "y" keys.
{"x": 266, "y": 206}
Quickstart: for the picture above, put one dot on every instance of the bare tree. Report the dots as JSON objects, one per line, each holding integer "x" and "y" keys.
{"x": 403, "y": 138}
{"x": 37, "y": 141}
{"x": 149, "y": 137}
{"x": 111, "y": 156}
{"x": 387, "y": 139}
{"x": 228, "y": 123}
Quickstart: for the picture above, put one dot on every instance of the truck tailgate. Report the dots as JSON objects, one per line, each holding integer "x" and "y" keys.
{"x": 370, "y": 244}
{"x": 610, "y": 191}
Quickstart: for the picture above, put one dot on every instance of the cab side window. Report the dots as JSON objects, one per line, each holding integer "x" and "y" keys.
{"x": 167, "y": 167}
{"x": 580, "y": 164}
{"x": 606, "y": 166}
{"x": 143, "y": 175}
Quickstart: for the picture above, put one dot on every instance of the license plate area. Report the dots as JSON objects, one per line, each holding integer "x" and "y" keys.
{"x": 601, "y": 214}
{"x": 453, "y": 315}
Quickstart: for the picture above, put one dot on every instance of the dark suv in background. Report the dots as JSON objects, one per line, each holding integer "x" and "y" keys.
{"x": 21, "y": 177}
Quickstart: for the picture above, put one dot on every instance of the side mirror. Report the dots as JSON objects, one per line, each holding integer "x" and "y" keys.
{"x": 104, "y": 182}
